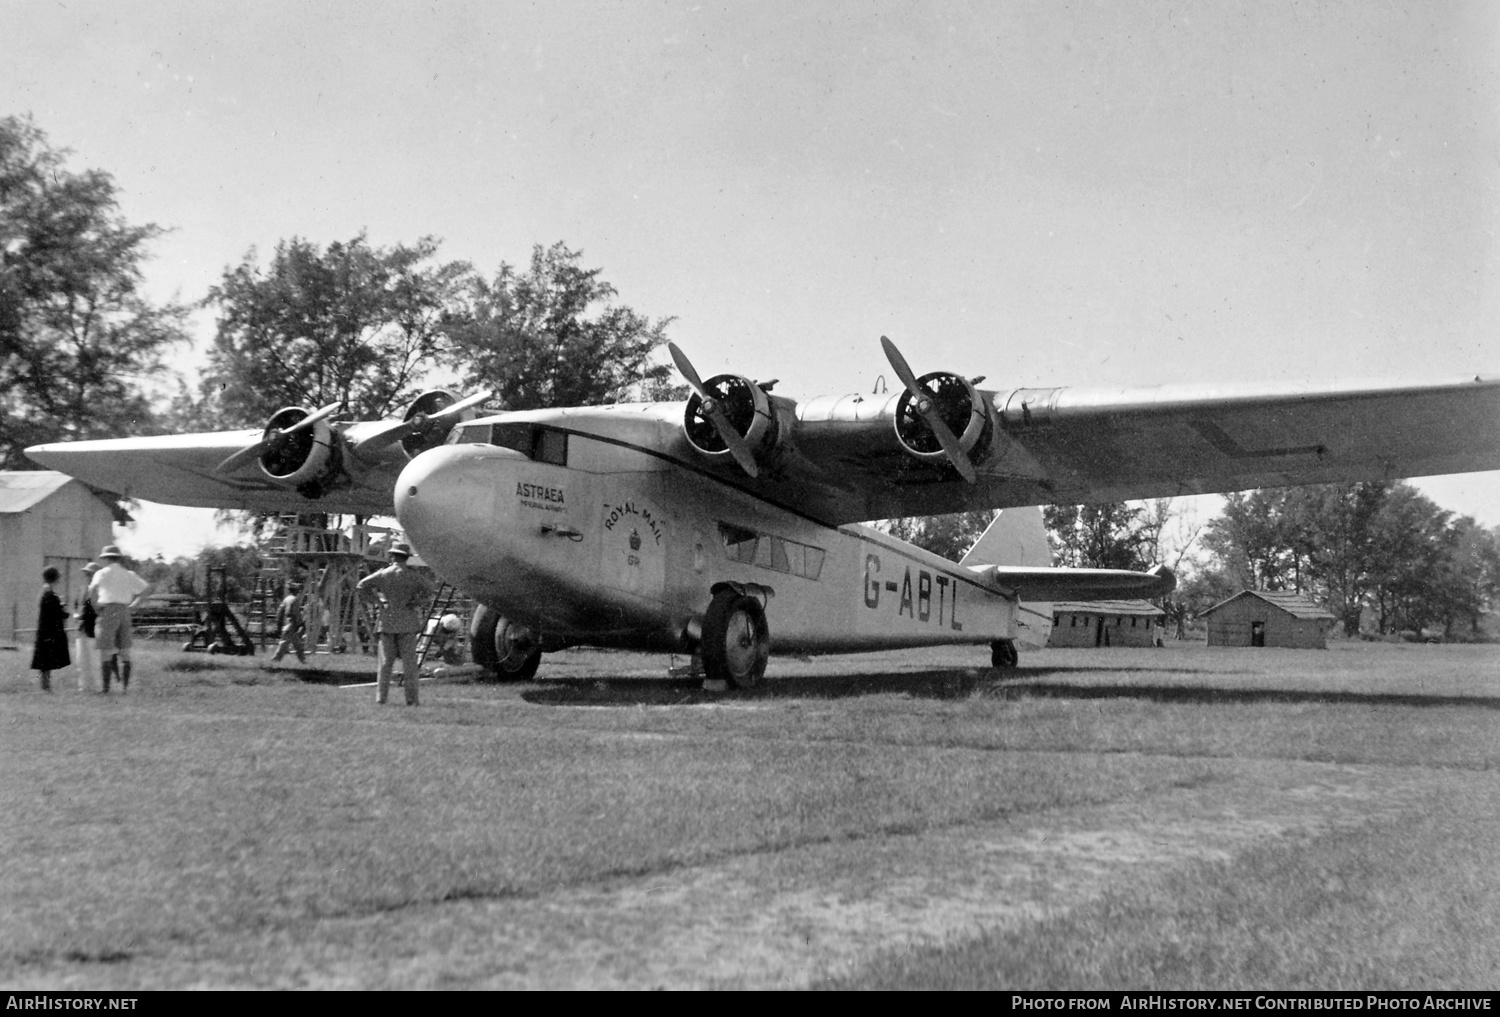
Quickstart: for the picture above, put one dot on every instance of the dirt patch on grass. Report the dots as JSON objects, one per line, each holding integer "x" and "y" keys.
{"x": 792, "y": 917}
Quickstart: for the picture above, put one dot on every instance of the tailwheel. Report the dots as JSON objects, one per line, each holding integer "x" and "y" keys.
{"x": 736, "y": 640}
{"x": 1003, "y": 654}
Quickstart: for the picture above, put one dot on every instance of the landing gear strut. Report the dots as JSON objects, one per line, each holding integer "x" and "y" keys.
{"x": 736, "y": 640}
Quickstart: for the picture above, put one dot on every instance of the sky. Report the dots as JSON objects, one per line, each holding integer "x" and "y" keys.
{"x": 1043, "y": 193}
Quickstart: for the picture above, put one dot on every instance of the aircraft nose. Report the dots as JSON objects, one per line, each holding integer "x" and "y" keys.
{"x": 445, "y": 498}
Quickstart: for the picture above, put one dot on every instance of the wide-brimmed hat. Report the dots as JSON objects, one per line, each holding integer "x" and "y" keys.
{"x": 400, "y": 550}
{"x": 90, "y": 567}
{"x": 110, "y": 551}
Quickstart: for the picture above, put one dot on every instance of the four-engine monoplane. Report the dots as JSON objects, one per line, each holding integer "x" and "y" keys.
{"x": 733, "y": 521}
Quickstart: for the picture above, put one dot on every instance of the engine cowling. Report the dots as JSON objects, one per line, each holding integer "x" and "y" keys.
{"x": 961, "y": 407}
{"x": 303, "y": 459}
{"x": 748, "y": 408}
{"x": 426, "y": 404}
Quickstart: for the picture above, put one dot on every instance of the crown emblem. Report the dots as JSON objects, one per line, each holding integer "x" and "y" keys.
{"x": 635, "y": 540}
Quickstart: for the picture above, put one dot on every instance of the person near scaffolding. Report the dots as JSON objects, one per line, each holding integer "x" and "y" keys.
{"x": 443, "y": 638}
{"x": 405, "y": 595}
{"x": 115, "y": 590}
{"x": 289, "y": 623}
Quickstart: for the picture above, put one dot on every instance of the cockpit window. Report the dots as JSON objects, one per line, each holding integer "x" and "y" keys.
{"x": 542, "y": 444}
{"x": 550, "y": 446}
{"x": 512, "y": 436}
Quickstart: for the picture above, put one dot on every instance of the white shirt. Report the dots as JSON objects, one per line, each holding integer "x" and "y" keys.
{"x": 116, "y": 584}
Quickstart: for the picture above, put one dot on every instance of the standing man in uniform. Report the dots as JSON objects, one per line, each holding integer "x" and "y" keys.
{"x": 405, "y": 596}
{"x": 289, "y": 622}
{"x": 115, "y": 590}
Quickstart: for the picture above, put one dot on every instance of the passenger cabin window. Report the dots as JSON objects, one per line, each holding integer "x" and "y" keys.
{"x": 770, "y": 552}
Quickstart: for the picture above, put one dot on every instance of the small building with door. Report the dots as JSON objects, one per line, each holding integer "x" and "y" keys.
{"x": 1268, "y": 618}
{"x": 46, "y": 518}
{"x": 1105, "y": 623}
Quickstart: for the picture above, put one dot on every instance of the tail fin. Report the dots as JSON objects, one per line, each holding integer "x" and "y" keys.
{"x": 1018, "y": 537}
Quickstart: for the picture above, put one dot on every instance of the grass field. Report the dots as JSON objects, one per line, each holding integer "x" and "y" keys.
{"x": 1171, "y": 818}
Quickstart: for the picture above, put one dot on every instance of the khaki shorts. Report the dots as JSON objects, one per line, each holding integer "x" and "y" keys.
{"x": 112, "y": 632}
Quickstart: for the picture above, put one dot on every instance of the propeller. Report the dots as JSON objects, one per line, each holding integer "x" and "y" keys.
{"x": 274, "y": 440}
{"x": 417, "y": 422}
{"x": 927, "y": 408}
{"x": 713, "y": 409}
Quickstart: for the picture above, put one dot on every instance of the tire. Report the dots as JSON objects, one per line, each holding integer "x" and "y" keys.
{"x": 1003, "y": 655}
{"x": 504, "y": 649}
{"x": 482, "y": 637}
{"x": 736, "y": 640}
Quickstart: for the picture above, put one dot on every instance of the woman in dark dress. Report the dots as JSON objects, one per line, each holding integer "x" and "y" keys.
{"x": 51, "y": 652}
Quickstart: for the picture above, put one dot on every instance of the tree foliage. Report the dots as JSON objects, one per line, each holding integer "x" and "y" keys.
{"x": 1374, "y": 546}
{"x": 552, "y": 335}
{"x": 350, "y": 324}
{"x": 949, "y": 535}
{"x": 78, "y": 340}
{"x": 1111, "y": 535}
{"x": 366, "y": 326}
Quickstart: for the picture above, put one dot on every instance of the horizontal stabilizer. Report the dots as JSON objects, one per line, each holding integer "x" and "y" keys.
{"x": 1047, "y": 584}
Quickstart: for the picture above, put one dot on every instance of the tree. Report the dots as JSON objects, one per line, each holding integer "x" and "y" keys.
{"x": 553, "y": 336}
{"x": 949, "y": 535}
{"x": 77, "y": 338}
{"x": 1110, "y": 535}
{"x": 351, "y": 324}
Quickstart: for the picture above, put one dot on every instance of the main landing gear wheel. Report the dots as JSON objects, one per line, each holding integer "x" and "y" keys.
{"x": 736, "y": 640}
{"x": 1003, "y": 654}
{"x": 505, "y": 649}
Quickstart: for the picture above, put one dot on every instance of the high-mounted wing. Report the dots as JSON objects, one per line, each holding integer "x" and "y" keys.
{"x": 299, "y": 462}
{"x": 855, "y": 458}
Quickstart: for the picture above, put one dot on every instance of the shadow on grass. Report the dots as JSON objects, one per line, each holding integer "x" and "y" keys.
{"x": 948, "y": 684}
{"x": 1199, "y": 694}
{"x": 954, "y": 684}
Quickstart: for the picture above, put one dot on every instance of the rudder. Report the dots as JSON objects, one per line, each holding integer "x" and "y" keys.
{"x": 1017, "y": 536}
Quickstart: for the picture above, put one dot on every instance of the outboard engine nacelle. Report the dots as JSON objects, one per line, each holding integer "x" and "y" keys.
{"x": 961, "y": 407}
{"x": 302, "y": 459}
{"x": 426, "y": 405}
{"x": 748, "y": 408}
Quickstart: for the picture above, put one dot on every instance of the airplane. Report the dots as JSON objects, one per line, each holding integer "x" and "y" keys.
{"x": 736, "y": 520}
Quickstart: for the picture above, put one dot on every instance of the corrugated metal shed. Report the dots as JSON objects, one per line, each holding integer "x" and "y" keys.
{"x": 1268, "y": 618}
{"x": 22, "y": 489}
{"x": 46, "y": 518}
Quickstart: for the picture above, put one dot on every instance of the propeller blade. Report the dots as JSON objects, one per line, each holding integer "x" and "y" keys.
{"x": 311, "y": 419}
{"x": 388, "y": 435}
{"x": 243, "y": 457}
{"x": 926, "y": 407}
{"x": 397, "y": 430}
{"x": 685, "y": 368}
{"x": 463, "y": 404}
{"x": 714, "y": 411}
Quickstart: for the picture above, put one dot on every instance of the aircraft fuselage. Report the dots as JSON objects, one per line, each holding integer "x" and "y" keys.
{"x": 599, "y": 528}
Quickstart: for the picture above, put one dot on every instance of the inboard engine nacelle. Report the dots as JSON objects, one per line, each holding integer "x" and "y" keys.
{"x": 749, "y": 410}
{"x": 960, "y": 406}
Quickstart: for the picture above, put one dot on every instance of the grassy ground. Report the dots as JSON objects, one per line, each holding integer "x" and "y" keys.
{"x": 227, "y": 816}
